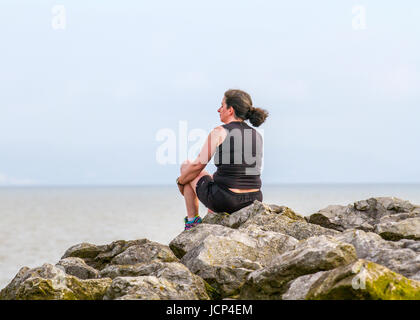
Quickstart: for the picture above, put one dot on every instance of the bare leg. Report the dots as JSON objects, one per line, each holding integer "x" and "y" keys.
{"x": 191, "y": 201}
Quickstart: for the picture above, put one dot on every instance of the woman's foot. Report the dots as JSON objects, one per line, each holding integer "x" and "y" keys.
{"x": 191, "y": 224}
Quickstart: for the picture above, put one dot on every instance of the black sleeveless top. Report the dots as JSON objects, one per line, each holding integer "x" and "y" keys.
{"x": 238, "y": 159}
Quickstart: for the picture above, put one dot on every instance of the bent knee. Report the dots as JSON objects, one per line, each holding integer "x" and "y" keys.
{"x": 202, "y": 174}
{"x": 184, "y": 164}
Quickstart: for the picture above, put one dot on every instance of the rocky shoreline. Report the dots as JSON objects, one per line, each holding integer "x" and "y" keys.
{"x": 369, "y": 249}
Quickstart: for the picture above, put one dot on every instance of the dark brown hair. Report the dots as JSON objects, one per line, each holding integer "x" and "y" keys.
{"x": 241, "y": 102}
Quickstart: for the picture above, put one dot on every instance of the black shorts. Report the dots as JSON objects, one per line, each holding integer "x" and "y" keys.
{"x": 220, "y": 199}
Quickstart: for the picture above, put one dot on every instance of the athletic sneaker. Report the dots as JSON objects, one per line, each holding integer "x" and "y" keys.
{"x": 191, "y": 224}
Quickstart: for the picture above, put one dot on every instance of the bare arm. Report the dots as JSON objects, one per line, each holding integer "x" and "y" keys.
{"x": 193, "y": 169}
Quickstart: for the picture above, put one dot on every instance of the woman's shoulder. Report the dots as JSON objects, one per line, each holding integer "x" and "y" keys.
{"x": 220, "y": 128}
{"x": 219, "y": 132}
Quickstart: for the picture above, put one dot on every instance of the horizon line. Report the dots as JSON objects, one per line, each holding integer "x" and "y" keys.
{"x": 167, "y": 185}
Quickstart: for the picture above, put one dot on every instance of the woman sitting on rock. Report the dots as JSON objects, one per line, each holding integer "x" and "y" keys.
{"x": 237, "y": 150}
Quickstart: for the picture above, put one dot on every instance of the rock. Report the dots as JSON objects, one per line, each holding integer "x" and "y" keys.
{"x": 126, "y": 260}
{"x": 217, "y": 217}
{"x": 298, "y": 288}
{"x": 398, "y": 217}
{"x": 141, "y": 269}
{"x": 363, "y": 280}
{"x": 78, "y": 268}
{"x": 170, "y": 270}
{"x": 163, "y": 281}
{"x": 298, "y": 229}
{"x": 259, "y": 252}
{"x": 84, "y": 251}
{"x": 9, "y": 292}
{"x": 121, "y": 252}
{"x": 404, "y": 229}
{"x": 146, "y": 252}
{"x": 226, "y": 256}
{"x": 399, "y": 256}
{"x": 309, "y": 256}
{"x": 147, "y": 263}
{"x": 189, "y": 239}
{"x": 367, "y": 214}
{"x": 153, "y": 288}
{"x": 238, "y": 218}
{"x": 410, "y": 244}
{"x": 270, "y": 218}
{"x": 50, "y": 282}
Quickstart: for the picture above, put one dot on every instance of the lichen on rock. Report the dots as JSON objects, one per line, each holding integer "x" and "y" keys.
{"x": 363, "y": 280}
{"x": 50, "y": 282}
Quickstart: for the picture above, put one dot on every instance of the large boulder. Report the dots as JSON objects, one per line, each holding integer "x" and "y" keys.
{"x": 50, "y": 282}
{"x": 87, "y": 252}
{"x": 144, "y": 263}
{"x": 238, "y": 218}
{"x": 133, "y": 270}
{"x": 270, "y": 218}
{"x": 140, "y": 261}
{"x": 298, "y": 288}
{"x": 160, "y": 281}
{"x": 224, "y": 256}
{"x": 296, "y": 228}
{"x": 363, "y": 280}
{"x": 77, "y": 267}
{"x": 189, "y": 239}
{"x": 309, "y": 256}
{"x": 400, "y": 256}
{"x": 404, "y": 229}
{"x": 121, "y": 252}
{"x": 383, "y": 215}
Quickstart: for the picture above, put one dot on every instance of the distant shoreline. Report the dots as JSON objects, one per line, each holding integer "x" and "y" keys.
{"x": 173, "y": 185}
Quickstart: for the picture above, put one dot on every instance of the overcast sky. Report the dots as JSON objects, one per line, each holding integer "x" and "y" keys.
{"x": 84, "y": 105}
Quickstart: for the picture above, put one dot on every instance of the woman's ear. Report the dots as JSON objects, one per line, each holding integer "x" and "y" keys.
{"x": 231, "y": 111}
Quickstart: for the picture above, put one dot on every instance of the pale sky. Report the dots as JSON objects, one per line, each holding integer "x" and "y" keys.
{"x": 83, "y": 105}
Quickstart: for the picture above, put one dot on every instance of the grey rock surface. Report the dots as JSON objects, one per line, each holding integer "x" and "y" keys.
{"x": 299, "y": 288}
{"x": 162, "y": 281}
{"x": 50, "y": 282}
{"x": 363, "y": 280}
{"x": 224, "y": 259}
{"x": 403, "y": 229}
{"x": 121, "y": 252}
{"x": 400, "y": 256}
{"x": 269, "y": 218}
{"x": 309, "y": 256}
{"x": 391, "y": 217}
{"x": 77, "y": 267}
{"x": 263, "y": 251}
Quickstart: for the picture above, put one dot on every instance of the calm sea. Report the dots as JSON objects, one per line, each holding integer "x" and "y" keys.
{"x": 38, "y": 224}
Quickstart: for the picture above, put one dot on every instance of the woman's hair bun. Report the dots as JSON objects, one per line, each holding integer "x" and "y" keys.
{"x": 250, "y": 112}
{"x": 257, "y": 116}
